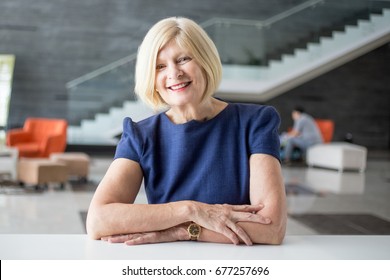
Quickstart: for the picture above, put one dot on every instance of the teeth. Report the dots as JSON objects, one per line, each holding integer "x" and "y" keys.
{"x": 176, "y": 87}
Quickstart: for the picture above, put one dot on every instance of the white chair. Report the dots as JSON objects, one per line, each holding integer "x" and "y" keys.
{"x": 9, "y": 162}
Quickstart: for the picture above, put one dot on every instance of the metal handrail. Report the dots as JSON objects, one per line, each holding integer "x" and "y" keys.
{"x": 292, "y": 11}
{"x": 100, "y": 71}
{"x": 266, "y": 22}
{"x": 213, "y": 21}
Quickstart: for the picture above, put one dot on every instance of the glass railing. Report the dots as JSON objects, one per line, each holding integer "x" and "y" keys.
{"x": 101, "y": 90}
{"x": 294, "y": 40}
{"x": 251, "y": 42}
{"x": 240, "y": 42}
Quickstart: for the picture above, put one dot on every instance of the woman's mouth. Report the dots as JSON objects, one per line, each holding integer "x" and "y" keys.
{"x": 179, "y": 86}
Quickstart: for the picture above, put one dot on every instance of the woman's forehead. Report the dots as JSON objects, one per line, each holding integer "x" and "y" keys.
{"x": 170, "y": 49}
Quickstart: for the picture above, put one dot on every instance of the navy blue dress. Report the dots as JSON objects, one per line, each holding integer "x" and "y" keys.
{"x": 203, "y": 161}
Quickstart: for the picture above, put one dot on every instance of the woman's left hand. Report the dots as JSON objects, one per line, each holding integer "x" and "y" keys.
{"x": 169, "y": 235}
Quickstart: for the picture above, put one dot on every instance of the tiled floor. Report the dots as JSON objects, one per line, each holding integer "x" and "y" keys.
{"x": 319, "y": 201}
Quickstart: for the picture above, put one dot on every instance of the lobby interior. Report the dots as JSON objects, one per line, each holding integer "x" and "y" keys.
{"x": 354, "y": 93}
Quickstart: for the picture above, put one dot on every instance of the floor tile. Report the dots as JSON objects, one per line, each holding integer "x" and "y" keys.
{"x": 345, "y": 224}
{"x": 319, "y": 201}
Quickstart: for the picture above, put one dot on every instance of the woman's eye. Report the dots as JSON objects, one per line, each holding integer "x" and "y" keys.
{"x": 184, "y": 59}
{"x": 160, "y": 67}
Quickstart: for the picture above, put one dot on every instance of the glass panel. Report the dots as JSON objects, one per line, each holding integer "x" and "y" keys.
{"x": 7, "y": 63}
{"x": 238, "y": 41}
{"x": 250, "y": 42}
{"x": 266, "y": 43}
{"x": 101, "y": 90}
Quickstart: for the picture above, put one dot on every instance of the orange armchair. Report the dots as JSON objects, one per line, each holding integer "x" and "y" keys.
{"x": 326, "y": 128}
{"x": 39, "y": 137}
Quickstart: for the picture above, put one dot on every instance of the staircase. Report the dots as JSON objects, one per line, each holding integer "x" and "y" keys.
{"x": 261, "y": 83}
{"x": 107, "y": 92}
{"x": 105, "y": 128}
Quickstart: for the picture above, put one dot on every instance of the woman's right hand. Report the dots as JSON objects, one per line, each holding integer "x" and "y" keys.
{"x": 223, "y": 218}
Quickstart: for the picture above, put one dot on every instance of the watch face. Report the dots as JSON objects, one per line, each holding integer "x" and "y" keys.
{"x": 194, "y": 230}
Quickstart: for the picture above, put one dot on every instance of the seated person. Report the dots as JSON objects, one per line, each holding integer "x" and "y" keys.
{"x": 211, "y": 169}
{"x": 304, "y": 134}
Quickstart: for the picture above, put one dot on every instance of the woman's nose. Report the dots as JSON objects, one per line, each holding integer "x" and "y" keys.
{"x": 174, "y": 72}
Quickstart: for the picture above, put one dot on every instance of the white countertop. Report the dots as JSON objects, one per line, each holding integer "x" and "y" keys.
{"x": 299, "y": 247}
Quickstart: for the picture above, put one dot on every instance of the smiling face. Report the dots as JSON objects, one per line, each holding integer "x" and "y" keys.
{"x": 179, "y": 78}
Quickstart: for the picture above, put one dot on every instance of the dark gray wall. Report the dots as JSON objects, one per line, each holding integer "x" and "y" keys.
{"x": 56, "y": 41}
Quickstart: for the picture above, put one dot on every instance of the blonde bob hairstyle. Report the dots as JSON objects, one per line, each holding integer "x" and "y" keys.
{"x": 189, "y": 36}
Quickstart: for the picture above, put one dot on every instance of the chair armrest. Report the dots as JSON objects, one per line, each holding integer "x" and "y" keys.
{"x": 53, "y": 144}
{"x": 16, "y": 136}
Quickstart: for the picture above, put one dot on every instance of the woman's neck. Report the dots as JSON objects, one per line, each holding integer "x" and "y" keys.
{"x": 201, "y": 112}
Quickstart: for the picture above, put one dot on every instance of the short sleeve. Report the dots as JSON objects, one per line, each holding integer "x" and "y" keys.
{"x": 264, "y": 132}
{"x": 130, "y": 144}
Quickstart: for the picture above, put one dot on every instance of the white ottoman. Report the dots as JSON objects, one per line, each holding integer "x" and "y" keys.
{"x": 337, "y": 155}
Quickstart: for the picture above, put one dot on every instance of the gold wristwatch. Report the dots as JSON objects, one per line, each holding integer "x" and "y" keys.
{"x": 194, "y": 231}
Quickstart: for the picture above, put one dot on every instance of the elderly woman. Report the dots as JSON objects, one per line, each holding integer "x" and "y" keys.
{"x": 210, "y": 168}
